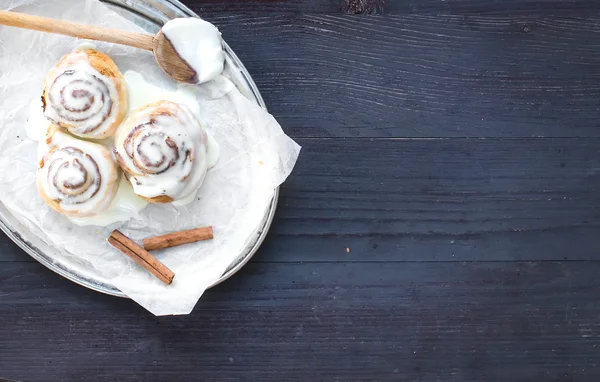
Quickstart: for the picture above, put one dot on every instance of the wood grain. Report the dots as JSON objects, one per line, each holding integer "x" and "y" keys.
{"x": 463, "y": 7}
{"x": 423, "y": 76}
{"x": 426, "y": 322}
{"x": 9, "y": 251}
{"x": 440, "y": 200}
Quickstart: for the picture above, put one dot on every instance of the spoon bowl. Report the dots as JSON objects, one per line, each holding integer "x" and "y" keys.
{"x": 169, "y": 60}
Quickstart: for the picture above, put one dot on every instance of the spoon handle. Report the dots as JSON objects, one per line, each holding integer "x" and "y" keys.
{"x": 85, "y": 31}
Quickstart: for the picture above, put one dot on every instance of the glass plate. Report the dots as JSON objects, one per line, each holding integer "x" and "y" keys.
{"x": 150, "y": 15}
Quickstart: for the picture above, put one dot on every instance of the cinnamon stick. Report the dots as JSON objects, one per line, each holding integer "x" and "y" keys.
{"x": 178, "y": 238}
{"x": 141, "y": 256}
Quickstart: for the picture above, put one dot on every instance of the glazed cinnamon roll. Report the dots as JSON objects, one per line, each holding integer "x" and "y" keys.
{"x": 86, "y": 94}
{"x": 162, "y": 150}
{"x": 77, "y": 178}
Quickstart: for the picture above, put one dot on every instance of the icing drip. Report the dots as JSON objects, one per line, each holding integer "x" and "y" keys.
{"x": 163, "y": 150}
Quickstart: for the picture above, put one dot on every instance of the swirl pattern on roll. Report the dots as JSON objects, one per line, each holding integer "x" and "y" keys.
{"x": 162, "y": 149}
{"x": 85, "y": 93}
{"x": 75, "y": 177}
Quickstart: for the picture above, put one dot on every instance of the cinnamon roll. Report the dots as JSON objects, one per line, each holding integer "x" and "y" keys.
{"x": 86, "y": 94}
{"x": 77, "y": 178}
{"x": 162, "y": 149}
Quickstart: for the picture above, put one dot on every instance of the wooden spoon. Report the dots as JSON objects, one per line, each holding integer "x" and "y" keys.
{"x": 164, "y": 52}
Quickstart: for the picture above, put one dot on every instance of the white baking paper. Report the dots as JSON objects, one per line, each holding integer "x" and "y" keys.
{"x": 256, "y": 157}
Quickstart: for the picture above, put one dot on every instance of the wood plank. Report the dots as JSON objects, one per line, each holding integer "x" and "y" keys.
{"x": 9, "y": 251}
{"x": 423, "y": 76}
{"x": 209, "y": 8}
{"x": 415, "y": 321}
{"x": 440, "y": 200}
{"x": 435, "y": 200}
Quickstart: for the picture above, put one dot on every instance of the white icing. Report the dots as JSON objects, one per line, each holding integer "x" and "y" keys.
{"x": 37, "y": 125}
{"x": 199, "y": 44}
{"x": 42, "y": 149}
{"x": 71, "y": 175}
{"x": 214, "y": 151}
{"x": 142, "y": 93}
{"x": 80, "y": 175}
{"x": 86, "y": 45}
{"x": 81, "y": 99}
{"x": 185, "y": 200}
{"x": 163, "y": 149}
{"x": 125, "y": 205}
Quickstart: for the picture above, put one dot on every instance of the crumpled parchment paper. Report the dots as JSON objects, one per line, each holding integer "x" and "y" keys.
{"x": 256, "y": 157}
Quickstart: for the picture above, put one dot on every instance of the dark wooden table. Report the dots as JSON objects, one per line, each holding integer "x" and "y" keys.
{"x": 442, "y": 223}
